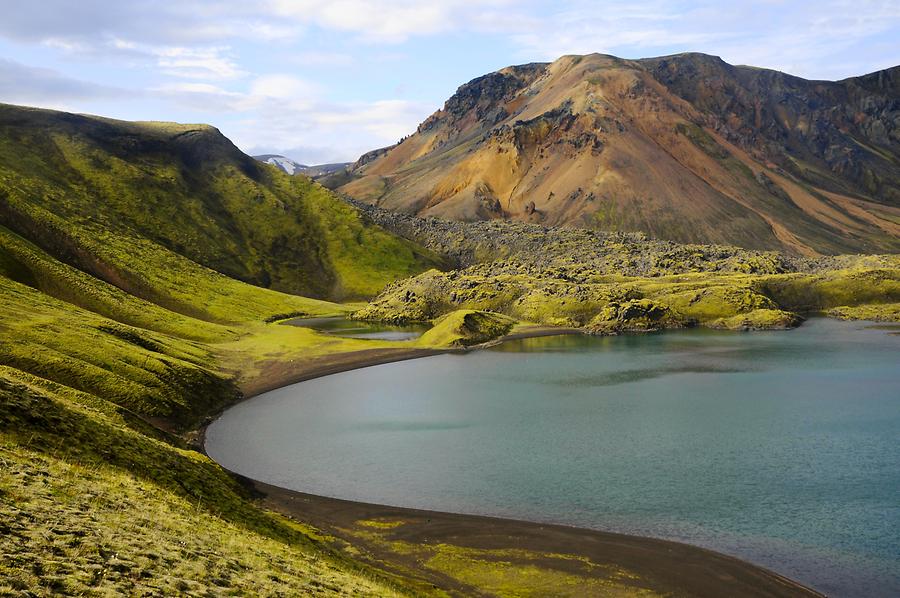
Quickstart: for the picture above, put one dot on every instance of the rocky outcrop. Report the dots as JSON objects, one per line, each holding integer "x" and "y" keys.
{"x": 466, "y": 328}
{"x": 636, "y": 315}
{"x": 482, "y": 100}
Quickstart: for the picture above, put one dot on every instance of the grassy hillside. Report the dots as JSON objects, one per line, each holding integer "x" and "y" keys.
{"x": 99, "y": 492}
{"x": 114, "y": 534}
{"x": 94, "y": 500}
{"x": 126, "y": 250}
{"x": 131, "y": 202}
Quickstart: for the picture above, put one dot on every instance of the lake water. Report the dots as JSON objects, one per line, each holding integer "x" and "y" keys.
{"x": 782, "y": 448}
{"x": 356, "y": 329}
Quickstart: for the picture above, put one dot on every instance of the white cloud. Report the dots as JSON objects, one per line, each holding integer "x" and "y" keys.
{"x": 282, "y": 87}
{"x": 49, "y": 88}
{"x": 390, "y": 21}
{"x": 285, "y": 114}
{"x": 387, "y": 120}
{"x": 327, "y": 59}
{"x": 196, "y": 63}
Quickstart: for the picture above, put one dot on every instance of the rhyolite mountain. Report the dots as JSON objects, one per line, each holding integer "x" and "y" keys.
{"x": 686, "y": 148}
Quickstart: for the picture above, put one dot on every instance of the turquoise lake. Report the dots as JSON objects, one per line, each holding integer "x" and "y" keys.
{"x": 781, "y": 448}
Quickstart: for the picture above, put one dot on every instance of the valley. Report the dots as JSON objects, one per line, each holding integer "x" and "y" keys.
{"x": 147, "y": 271}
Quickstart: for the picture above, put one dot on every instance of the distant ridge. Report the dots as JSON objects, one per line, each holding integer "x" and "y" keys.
{"x": 291, "y": 167}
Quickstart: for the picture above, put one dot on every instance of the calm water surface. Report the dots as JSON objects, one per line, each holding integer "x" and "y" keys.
{"x": 782, "y": 448}
{"x": 355, "y": 329}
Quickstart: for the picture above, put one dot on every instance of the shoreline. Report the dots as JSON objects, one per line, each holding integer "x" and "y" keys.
{"x": 668, "y": 567}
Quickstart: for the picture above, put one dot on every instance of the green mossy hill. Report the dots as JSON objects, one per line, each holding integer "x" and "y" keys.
{"x": 151, "y": 374}
{"x": 199, "y": 298}
{"x": 131, "y": 202}
{"x": 466, "y": 327}
{"x": 90, "y": 505}
{"x": 117, "y": 334}
{"x": 561, "y": 291}
{"x": 98, "y": 495}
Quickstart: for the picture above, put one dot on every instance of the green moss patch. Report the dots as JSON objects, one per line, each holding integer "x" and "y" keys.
{"x": 463, "y": 328}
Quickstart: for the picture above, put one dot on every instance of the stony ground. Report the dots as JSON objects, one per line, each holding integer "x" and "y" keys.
{"x": 614, "y": 282}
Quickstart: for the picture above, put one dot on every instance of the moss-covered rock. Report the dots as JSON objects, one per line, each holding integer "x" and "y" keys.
{"x": 636, "y": 315}
{"x": 759, "y": 319}
{"x": 711, "y": 286}
{"x": 878, "y": 312}
{"x": 464, "y": 328}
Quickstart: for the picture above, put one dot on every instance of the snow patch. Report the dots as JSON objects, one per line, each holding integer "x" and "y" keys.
{"x": 285, "y": 164}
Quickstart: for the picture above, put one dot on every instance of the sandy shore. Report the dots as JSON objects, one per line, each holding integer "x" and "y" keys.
{"x": 664, "y": 567}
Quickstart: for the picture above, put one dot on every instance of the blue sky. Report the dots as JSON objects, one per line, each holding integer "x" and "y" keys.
{"x": 324, "y": 81}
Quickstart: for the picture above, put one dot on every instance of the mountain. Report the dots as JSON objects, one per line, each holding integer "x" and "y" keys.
{"x": 283, "y": 163}
{"x": 685, "y": 148}
{"x": 317, "y": 171}
{"x": 154, "y": 208}
{"x": 291, "y": 167}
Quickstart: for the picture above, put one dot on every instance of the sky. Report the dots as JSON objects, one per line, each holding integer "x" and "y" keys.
{"x": 326, "y": 80}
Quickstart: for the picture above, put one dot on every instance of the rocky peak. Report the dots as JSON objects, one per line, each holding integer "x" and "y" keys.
{"x": 483, "y": 99}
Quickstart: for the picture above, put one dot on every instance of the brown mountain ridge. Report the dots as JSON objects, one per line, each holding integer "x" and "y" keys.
{"x": 686, "y": 148}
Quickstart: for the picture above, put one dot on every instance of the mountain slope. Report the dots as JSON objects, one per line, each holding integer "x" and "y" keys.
{"x": 686, "y": 148}
{"x": 131, "y": 203}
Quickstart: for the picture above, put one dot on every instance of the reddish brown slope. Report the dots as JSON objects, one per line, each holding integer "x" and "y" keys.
{"x": 686, "y": 148}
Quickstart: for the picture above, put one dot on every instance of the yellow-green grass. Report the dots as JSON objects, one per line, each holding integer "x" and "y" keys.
{"x": 150, "y": 373}
{"x": 78, "y": 528}
{"x": 506, "y": 572}
{"x": 170, "y": 375}
{"x": 879, "y": 312}
{"x": 523, "y": 574}
{"x": 177, "y": 283}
